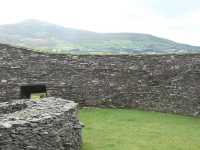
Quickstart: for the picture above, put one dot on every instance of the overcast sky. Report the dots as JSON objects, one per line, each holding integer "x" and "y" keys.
{"x": 178, "y": 20}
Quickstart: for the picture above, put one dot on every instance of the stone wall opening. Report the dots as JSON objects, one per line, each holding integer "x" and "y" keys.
{"x": 30, "y": 91}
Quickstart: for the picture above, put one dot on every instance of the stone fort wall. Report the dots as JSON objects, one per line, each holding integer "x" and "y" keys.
{"x": 166, "y": 83}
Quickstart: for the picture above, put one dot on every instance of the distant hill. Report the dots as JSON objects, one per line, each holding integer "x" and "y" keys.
{"x": 48, "y": 37}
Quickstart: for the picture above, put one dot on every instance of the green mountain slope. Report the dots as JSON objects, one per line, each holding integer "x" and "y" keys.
{"x": 48, "y": 37}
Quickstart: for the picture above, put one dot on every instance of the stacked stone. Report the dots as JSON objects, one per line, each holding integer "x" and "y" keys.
{"x": 165, "y": 83}
{"x": 46, "y": 124}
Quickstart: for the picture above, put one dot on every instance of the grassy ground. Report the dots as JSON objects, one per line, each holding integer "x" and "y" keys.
{"x": 116, "y": 129}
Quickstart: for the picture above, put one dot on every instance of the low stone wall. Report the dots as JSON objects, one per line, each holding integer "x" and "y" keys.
{"x": 47, "y": 124}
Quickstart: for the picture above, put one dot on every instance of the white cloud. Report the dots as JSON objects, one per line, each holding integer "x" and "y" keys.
{"x": 185, "y": 28}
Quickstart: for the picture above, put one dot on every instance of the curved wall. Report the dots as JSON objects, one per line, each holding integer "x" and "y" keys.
{"x": 166, "y": 83}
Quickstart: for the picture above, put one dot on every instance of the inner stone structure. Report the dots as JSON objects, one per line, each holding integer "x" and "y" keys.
{"x": 45, "y": 124}
{"x": 166, "y": 83}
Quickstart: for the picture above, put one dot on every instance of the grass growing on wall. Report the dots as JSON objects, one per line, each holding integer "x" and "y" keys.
{"x": 117, "y": 129}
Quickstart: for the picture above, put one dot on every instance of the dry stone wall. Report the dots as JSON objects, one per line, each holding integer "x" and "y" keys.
{"x": 166, "y": 83}
{"x": 46, "y": 124}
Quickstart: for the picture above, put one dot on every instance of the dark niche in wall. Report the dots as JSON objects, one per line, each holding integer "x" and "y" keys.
{"x": 33, "y": 91}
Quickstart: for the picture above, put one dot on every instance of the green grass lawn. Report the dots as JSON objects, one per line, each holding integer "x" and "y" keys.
{"x": 117, "y": 129}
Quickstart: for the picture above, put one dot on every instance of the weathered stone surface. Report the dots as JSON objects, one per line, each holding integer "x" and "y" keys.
{"x": 46, "y": 124}
{"x": 166, "y": 83}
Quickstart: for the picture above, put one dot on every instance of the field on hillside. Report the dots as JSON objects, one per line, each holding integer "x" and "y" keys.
{"x": 117, "y": 129}
{"x": 51, "y": 38}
